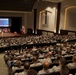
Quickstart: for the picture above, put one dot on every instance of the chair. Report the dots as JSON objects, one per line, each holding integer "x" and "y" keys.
{"x": 37, "y": 68}
{"x": 19, "y": 70}
{"x": 57, "y": 73}
{"x": 49, "y": 73}
{"x": 53, "y": 64}
{"x": 68, "y": 58}
{"x": 73, "y": 71}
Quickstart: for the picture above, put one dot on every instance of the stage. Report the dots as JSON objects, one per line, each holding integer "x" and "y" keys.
{"x": 9, "y": 34}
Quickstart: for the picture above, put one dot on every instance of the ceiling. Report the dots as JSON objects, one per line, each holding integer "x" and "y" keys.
{"x": 20, "y": 5}
{"x": 17, "y": 5}
{"x": 55, "y": 1}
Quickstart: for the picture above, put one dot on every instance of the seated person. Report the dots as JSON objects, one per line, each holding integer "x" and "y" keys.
{"x": 10, "y": 62}
{"x": 18, "y": 66}
{"x": 64, "y": 70}
{"x": 49, "y": 54}
{"x": 28, "y": 54}
{"x": 45, "y": 69}
{"x": 35, "y": 62}
{"x": 25, "y": 57}
{"x": 63, "y": 52}
{"x": 34, "y": 48}
{"x": 46, "y": 58}
{"x": 6, "y": 57}
{"x": 26, "y": 68}
{"x": 41, "y": 55}
{"x": 68, "y": 50}
{"x": 31, "y": 72}
{"x": 62, "y": 62}
{"x": 73, "y": 64}
{"x": 59, "y": 54}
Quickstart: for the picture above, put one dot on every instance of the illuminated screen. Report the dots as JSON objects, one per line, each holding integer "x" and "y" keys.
{"x": 4, "y": 22}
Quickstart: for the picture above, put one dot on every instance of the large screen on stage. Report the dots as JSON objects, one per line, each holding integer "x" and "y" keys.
{"x": 4, "y": 22}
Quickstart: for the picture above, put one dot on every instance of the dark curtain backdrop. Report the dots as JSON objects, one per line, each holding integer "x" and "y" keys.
{"x": 16, "y": 24}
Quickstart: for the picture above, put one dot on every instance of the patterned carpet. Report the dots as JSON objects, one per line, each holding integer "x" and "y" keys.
{"x": 3, "y": 67}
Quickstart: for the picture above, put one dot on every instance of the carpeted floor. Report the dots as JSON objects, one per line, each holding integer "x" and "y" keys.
{"x": 3, "y": 66}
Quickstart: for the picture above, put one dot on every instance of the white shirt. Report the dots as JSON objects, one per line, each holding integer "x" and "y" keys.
{"x": 47, "y": 59}
{"x": 17, "y": 68}
{"x": 45, "y": 71}
{"x": 35, "y": 64}
{"x": 71, "y": 65}
{"x": 22, "y": 73}
{"x": 56, "y": 68}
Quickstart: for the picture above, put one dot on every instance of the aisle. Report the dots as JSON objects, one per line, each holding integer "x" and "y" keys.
{"x": 3, "y": 67}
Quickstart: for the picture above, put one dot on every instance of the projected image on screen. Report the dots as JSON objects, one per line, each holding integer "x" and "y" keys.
{"x": 4, "y": 22}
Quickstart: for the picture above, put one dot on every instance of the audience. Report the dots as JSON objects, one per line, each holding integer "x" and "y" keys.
{"x": 18, "y": 41}
{"x": 37, "y": 56}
